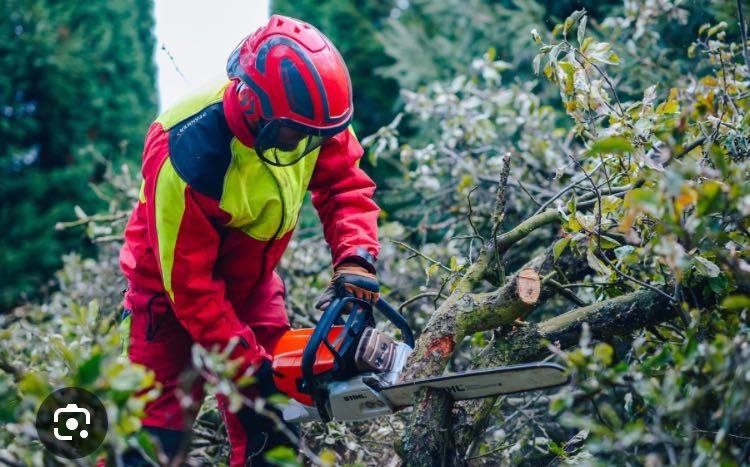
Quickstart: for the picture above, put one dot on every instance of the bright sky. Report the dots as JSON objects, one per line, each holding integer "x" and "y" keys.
{"x": 199, "y": 35}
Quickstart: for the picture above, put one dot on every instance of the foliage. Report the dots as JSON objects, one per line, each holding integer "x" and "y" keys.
{"x": 650, "y": 186}
{"x": 63, "y": 343}
{"x": 78, "y": 90}
{"x": 642, "y": 156}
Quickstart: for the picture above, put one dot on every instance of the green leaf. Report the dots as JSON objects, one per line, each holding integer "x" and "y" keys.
{"x": 586, "y": 42}
{"x": 710, "y": 199}
{"x": 491, "y": 54}
{"x": 642, "y": 198}
{"x": 668, "y": 107}
{"x": 567, "y": 25}
{"x": 535, "y": 35}
{"x": 609, "y": 204}
{"x": 582, "y": 30}
{"x": 601, "y": 52}
{"x": 557, "y": 405}
{"x": 147, "y": 444}
{"x": 569, "y": 71}
{"x": 612, "y": 144}
{"x": 596, "y": 264}
{"x": 736, "y": 302}
{"x": 328, "y": 458}
{"x": 705, "y": 267}
{"x": 282, "y": 456}
{"x": 573, "y": 19}
{"x": 556, "y": 449}
{"x": 33, "y": 384}
{"x": 537, "y": 63}
{"x": 623, "y": 251}
{"x": 128, "y": 378}
{"x": 603, "y": 352}
{"x": 560, "y": 245}
{"x": 608, "y": 243}
{"x": 718, "y": 284}
{"x": 90, "y": 370}
{"x": 719, "y": 27}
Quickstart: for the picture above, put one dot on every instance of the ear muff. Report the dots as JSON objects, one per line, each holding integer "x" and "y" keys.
{"x": 248, "y": 102}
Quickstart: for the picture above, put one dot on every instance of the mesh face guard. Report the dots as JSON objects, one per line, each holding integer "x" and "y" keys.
{"x": 282, "y": 142}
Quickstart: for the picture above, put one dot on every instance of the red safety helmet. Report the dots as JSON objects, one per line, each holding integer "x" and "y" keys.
{"x": 295, "y": 89}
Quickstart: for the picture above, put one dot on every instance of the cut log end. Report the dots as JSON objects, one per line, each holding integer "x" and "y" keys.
{"x": 528, "y": 286}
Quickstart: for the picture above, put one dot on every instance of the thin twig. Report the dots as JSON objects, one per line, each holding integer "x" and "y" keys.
{"x": 420, "y": 254}
{"x": 603, "y": 257}
{"x": 531, "y": 197}
{"x": 499, "y": 214}
{"x": 560, "y": 289}
{"x": 418, "y": 297}
{"x": 488, "y": 453}
{"x": 471, "y": 213}
{"x": 94, "y": 218}
{"x": 174, "y": 62}
{"x": 567, "y": 188}
{"x": 682, "y": 154}
{"x": 728, "y": 434}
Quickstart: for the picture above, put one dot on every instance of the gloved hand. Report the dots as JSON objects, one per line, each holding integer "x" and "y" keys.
{"x": 264, "y": 379}
{"x": 350, "y": 280}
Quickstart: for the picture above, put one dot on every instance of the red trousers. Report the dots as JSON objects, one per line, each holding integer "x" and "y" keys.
{"x": 159, "y": 342}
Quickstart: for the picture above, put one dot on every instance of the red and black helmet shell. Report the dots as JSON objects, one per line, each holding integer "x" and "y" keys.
{"x": 294, "y": 74}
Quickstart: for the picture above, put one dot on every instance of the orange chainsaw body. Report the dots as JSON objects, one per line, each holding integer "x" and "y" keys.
{"x": 287, "y": 361}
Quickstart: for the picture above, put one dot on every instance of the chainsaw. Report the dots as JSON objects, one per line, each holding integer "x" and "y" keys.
{"x": 346, "y": 369}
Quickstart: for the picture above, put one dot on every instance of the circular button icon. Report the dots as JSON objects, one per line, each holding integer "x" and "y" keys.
{"x": 71, "y": 423}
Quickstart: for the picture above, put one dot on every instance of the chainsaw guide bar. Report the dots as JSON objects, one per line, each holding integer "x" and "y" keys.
{"x": 481, "y": 383}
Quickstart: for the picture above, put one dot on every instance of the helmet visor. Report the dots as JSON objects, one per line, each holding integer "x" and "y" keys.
{"x": 282, "y": 143}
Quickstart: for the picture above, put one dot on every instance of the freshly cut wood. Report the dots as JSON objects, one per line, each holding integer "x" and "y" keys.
{"x": 528, "y": 286}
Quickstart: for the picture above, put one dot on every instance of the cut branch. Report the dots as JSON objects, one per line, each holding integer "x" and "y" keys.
{"x": 618, "y": 316}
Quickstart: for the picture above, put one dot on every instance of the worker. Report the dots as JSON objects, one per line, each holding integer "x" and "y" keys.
{"x": 225, "y": 173}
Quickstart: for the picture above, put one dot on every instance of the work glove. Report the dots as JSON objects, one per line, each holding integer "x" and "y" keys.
{"x": 264, "y": 379}
{"x": 350, "y": 280}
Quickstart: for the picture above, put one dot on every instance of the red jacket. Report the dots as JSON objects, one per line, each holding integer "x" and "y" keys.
{"x": 213, "y": 219}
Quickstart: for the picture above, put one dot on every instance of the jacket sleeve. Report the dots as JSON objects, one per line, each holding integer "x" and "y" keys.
{"x": 186, "y": 242}
{"x": 342, "y": 195}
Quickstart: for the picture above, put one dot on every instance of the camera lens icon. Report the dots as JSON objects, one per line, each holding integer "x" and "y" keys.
{"x": 71, "y": 423}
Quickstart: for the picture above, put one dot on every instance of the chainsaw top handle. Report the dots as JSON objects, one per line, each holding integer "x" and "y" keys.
{"x": 360, "y": 316}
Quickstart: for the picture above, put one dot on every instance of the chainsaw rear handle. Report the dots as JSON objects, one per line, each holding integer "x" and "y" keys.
{"x": 357, "y": 315}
